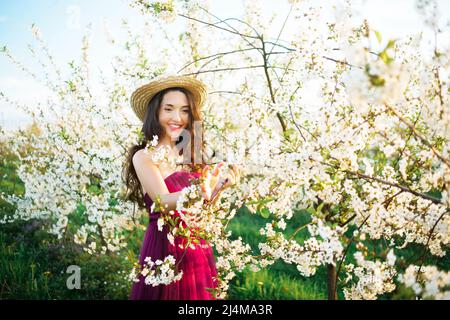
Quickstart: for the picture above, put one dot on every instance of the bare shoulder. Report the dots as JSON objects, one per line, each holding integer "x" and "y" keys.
{"x": 141, "y": 157}
{"x": 148, "y": 174}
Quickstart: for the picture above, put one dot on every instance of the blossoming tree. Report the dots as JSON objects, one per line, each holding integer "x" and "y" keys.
{"x": 369, "y": 162}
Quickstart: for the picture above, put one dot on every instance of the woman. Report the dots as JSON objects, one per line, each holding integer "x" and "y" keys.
{"x": 168, "y": 108}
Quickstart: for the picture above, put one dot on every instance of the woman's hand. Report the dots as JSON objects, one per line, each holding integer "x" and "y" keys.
{"x": 210, "y": 179}
{"x": 215, "y": 180}
{"x": 229, "y": 179}
{"x": 233, "y": 176}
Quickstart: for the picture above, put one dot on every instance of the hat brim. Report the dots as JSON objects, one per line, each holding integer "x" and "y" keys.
{"x": 142, "y": 96}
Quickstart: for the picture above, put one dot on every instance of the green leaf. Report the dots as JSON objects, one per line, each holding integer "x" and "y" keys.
{"x": 265, "y": 213}
{"x": 288, "y": 133}
{"x": 310, "y": 210}
{"x": 385, "y": 57}
{"x": 378, "y": 35}
{"x": 319, "y": 208}
{"x": 390, "y": 44}
{"x": 376, "y": 80}
{"x": 72, "y": 86}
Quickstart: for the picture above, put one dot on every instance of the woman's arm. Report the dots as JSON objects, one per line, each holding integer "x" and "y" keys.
{"x": 153, "y": 182}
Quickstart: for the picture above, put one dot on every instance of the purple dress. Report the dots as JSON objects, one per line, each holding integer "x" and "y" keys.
{"x": 198, "y": 265}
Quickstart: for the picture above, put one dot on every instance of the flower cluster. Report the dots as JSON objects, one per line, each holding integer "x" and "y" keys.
{"x": 427, "y": 282}
{"x": 163, "y": 9}
{"x": 373, "y": 278}
{"x": 234, "y": 256}
{"x": 156, "y": 272}
{"x": 323, "y": 247}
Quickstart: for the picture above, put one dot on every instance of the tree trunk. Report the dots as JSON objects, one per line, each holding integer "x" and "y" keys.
{"x": 331, "y": 275}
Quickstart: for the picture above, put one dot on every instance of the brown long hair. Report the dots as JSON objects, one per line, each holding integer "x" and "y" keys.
{"x": 151, "y": 127}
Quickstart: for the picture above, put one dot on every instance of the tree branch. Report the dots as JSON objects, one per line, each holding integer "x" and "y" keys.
{"x": 220, "y": 54}
{"x": 224, "y": 69}
{"x": 215, "y": 26}
{"x": 418, "y": 135}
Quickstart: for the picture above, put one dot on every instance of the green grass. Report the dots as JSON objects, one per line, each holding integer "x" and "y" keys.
{"x": 33, "y": 263}
{"x": 279, "y": 281}
{"x": 274, "y": 285}
{"x": 33, "y": 266}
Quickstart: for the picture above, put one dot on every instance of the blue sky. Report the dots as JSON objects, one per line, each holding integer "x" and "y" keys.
{"x": 62, "y": 24}
{"x": 61, "y": 21}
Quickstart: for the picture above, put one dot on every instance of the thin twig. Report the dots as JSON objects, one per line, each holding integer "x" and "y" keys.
{"x": 406, "y": 189}
{"x": 220, "y": 54}
{"x": 422, "y": 257}
{"x": 366, "y": 177}
{"x": 215, "y": 26}
{"x": 418, "y": 135}
{"x": 224, "y": 69}
{"x": 281, "y": 30}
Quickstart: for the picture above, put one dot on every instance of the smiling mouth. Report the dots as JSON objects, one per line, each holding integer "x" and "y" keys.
{"x": 174, "y": 127}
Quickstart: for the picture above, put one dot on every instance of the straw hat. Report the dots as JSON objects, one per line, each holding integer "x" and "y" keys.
{"x": 142, "y": 96}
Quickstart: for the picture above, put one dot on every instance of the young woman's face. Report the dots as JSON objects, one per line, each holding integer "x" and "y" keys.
{"x": 174, "y": 113}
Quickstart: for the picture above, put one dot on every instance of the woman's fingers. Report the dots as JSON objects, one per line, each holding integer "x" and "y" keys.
{"x": 204, "y": 193}
{"x": 225, "y": 185}
{"x": 211, "y": 176}
{"x": 217, "y": 169}
{"x": 217, "y": 181}
{"x": 237, "y": 173}
{"x": 234, "y": 174}
{"x": 205, "y": 170}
